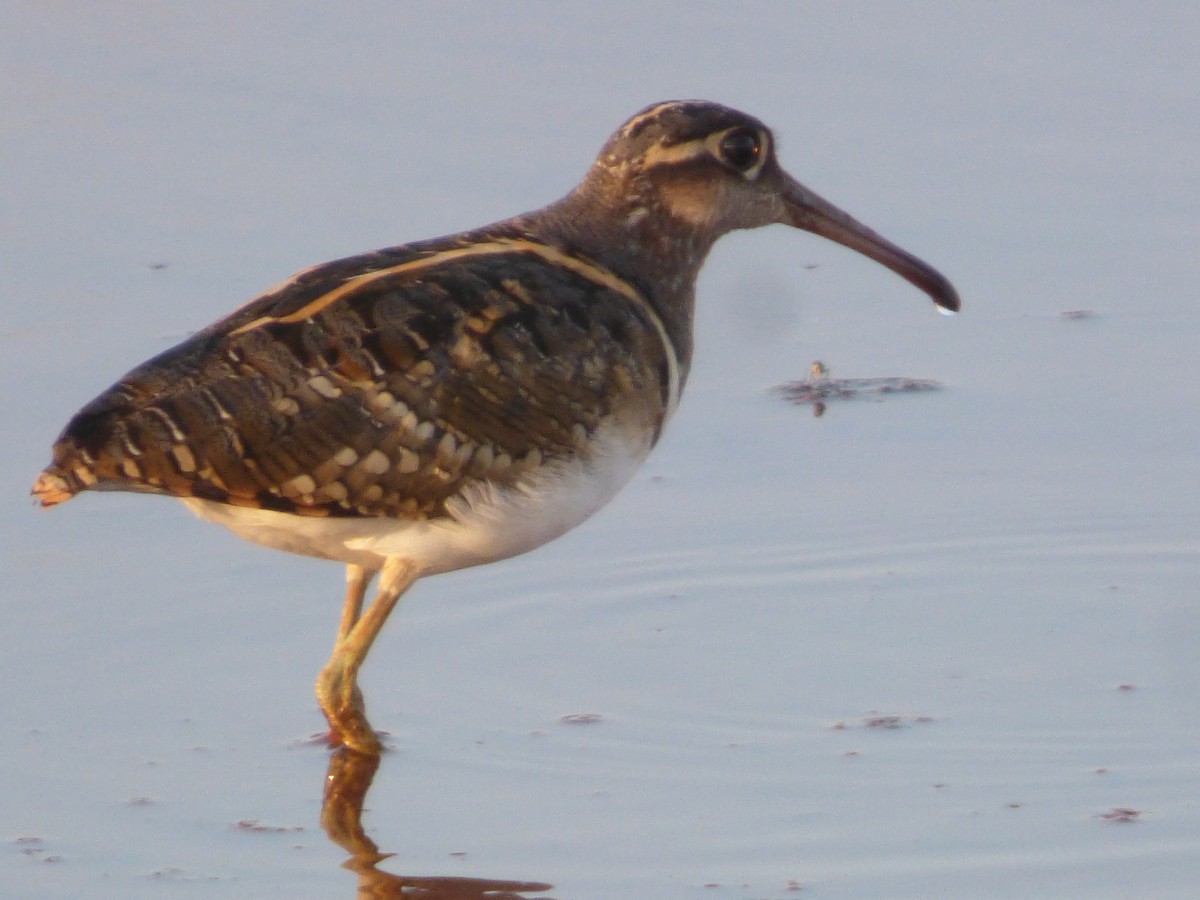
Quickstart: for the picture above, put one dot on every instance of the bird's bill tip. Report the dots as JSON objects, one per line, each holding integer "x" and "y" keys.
{"x": 943, "y": 295}
{"x": 811, "y": 212}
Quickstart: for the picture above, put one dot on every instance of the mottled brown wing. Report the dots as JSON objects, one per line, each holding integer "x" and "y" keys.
{"x": 378, "y": 386}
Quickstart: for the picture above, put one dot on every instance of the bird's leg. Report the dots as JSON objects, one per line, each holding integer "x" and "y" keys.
{"x": 358, "y": 578}
{"x": 337, "y": 688}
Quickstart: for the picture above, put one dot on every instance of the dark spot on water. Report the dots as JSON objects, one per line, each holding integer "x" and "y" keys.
{"x": 882, "y": 722}
{"x": 260, "y": 828}
{"x": 1121, "y": 814}
{"x": 581, "y": 719}
{"x": 820, "y": 388}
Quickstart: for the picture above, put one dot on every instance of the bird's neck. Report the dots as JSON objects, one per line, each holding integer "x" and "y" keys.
{"x": 630, "y": 233}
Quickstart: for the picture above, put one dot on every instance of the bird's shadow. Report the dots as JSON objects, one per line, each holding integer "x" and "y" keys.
{"x": 346, "y": 784}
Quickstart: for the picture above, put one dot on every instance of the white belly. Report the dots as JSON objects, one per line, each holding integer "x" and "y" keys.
{"x": 486, "y": 523}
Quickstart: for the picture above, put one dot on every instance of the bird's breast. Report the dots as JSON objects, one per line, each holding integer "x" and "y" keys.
{"x": 485, "y": 520}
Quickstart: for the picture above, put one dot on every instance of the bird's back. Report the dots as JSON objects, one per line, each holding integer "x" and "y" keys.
{"x": 383, "y": 384}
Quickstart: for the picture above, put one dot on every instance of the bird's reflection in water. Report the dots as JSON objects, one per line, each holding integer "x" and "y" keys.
{"x": 346, "y": 785}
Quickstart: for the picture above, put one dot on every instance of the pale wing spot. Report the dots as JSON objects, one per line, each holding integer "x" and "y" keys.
{"x": 183, "y": 458}
{"x": 85, "y": 476}
{"x": 423, "y": 432}
{"x": 222, "y": 413}
{"x": 130, "y": 468}
{"x": 335, "y": 490}
{"x": 286, "y": 406}
{"x": 214, "y": 479}
{"x": 236, "y": 445}
{"x": 383, "y": 401}
{"x": 466, "y": 352}
{"x": 463, "y": 456}
{"x": 421, "y": 371}
{"x": 301, "y": 484}
{"x": 376, "y": 463}
{"x": 176, "y": 434}
{"x": 636, "y": 216}
{"x": 324, "y": 387}
{"x": 446, "y": 449}
{"x": 484, "y": 456}
{"x": 408, "y": 461}
{"x": 346, "y": 457}
{"x": 515, "y": 288}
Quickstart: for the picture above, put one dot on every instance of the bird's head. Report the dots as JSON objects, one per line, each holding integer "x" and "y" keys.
{"x": 679, "y": 175}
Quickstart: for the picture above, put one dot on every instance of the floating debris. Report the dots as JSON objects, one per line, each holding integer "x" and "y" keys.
{"x": 1077, "y": 315}
{"x": 884, "y": 722}
{"x": 257, "y": 826}
{"x": 176, "y": 874}
{"x": 582, "y": 719}
{"x": 35, "y": 847}
{"x": 1121, "y": 814}
{"x": 819, "y": 388}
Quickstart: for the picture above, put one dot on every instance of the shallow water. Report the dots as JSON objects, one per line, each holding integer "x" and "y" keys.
{"x": 926, "y": 646}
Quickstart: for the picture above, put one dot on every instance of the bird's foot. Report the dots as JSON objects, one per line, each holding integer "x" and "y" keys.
{"x": 342, "y": 703}
{"x": 355, "y": 735}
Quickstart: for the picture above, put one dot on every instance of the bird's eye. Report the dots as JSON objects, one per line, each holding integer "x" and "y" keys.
{"x": 740, "y": 149}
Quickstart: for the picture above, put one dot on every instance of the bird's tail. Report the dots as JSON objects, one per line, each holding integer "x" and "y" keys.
{"x": 53, "y": 487}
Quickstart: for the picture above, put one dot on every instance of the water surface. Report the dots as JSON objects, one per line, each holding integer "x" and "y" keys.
{"x": 930, "y": 646}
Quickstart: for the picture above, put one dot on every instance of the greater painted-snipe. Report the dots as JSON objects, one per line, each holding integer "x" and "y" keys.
{"x": 458, "y": 400}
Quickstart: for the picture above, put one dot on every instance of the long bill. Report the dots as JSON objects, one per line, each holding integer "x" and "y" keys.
{"x": 812, "y": 212}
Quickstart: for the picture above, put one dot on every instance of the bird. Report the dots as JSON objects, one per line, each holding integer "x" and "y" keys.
{"x": 455, "y": 401}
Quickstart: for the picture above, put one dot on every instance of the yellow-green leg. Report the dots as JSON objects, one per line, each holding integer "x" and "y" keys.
{"x": 358, "y": 579}
{"x": 337, "y": 687}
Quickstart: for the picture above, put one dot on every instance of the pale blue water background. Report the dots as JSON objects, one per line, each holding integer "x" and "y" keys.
{"x": 999, "y": 557}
